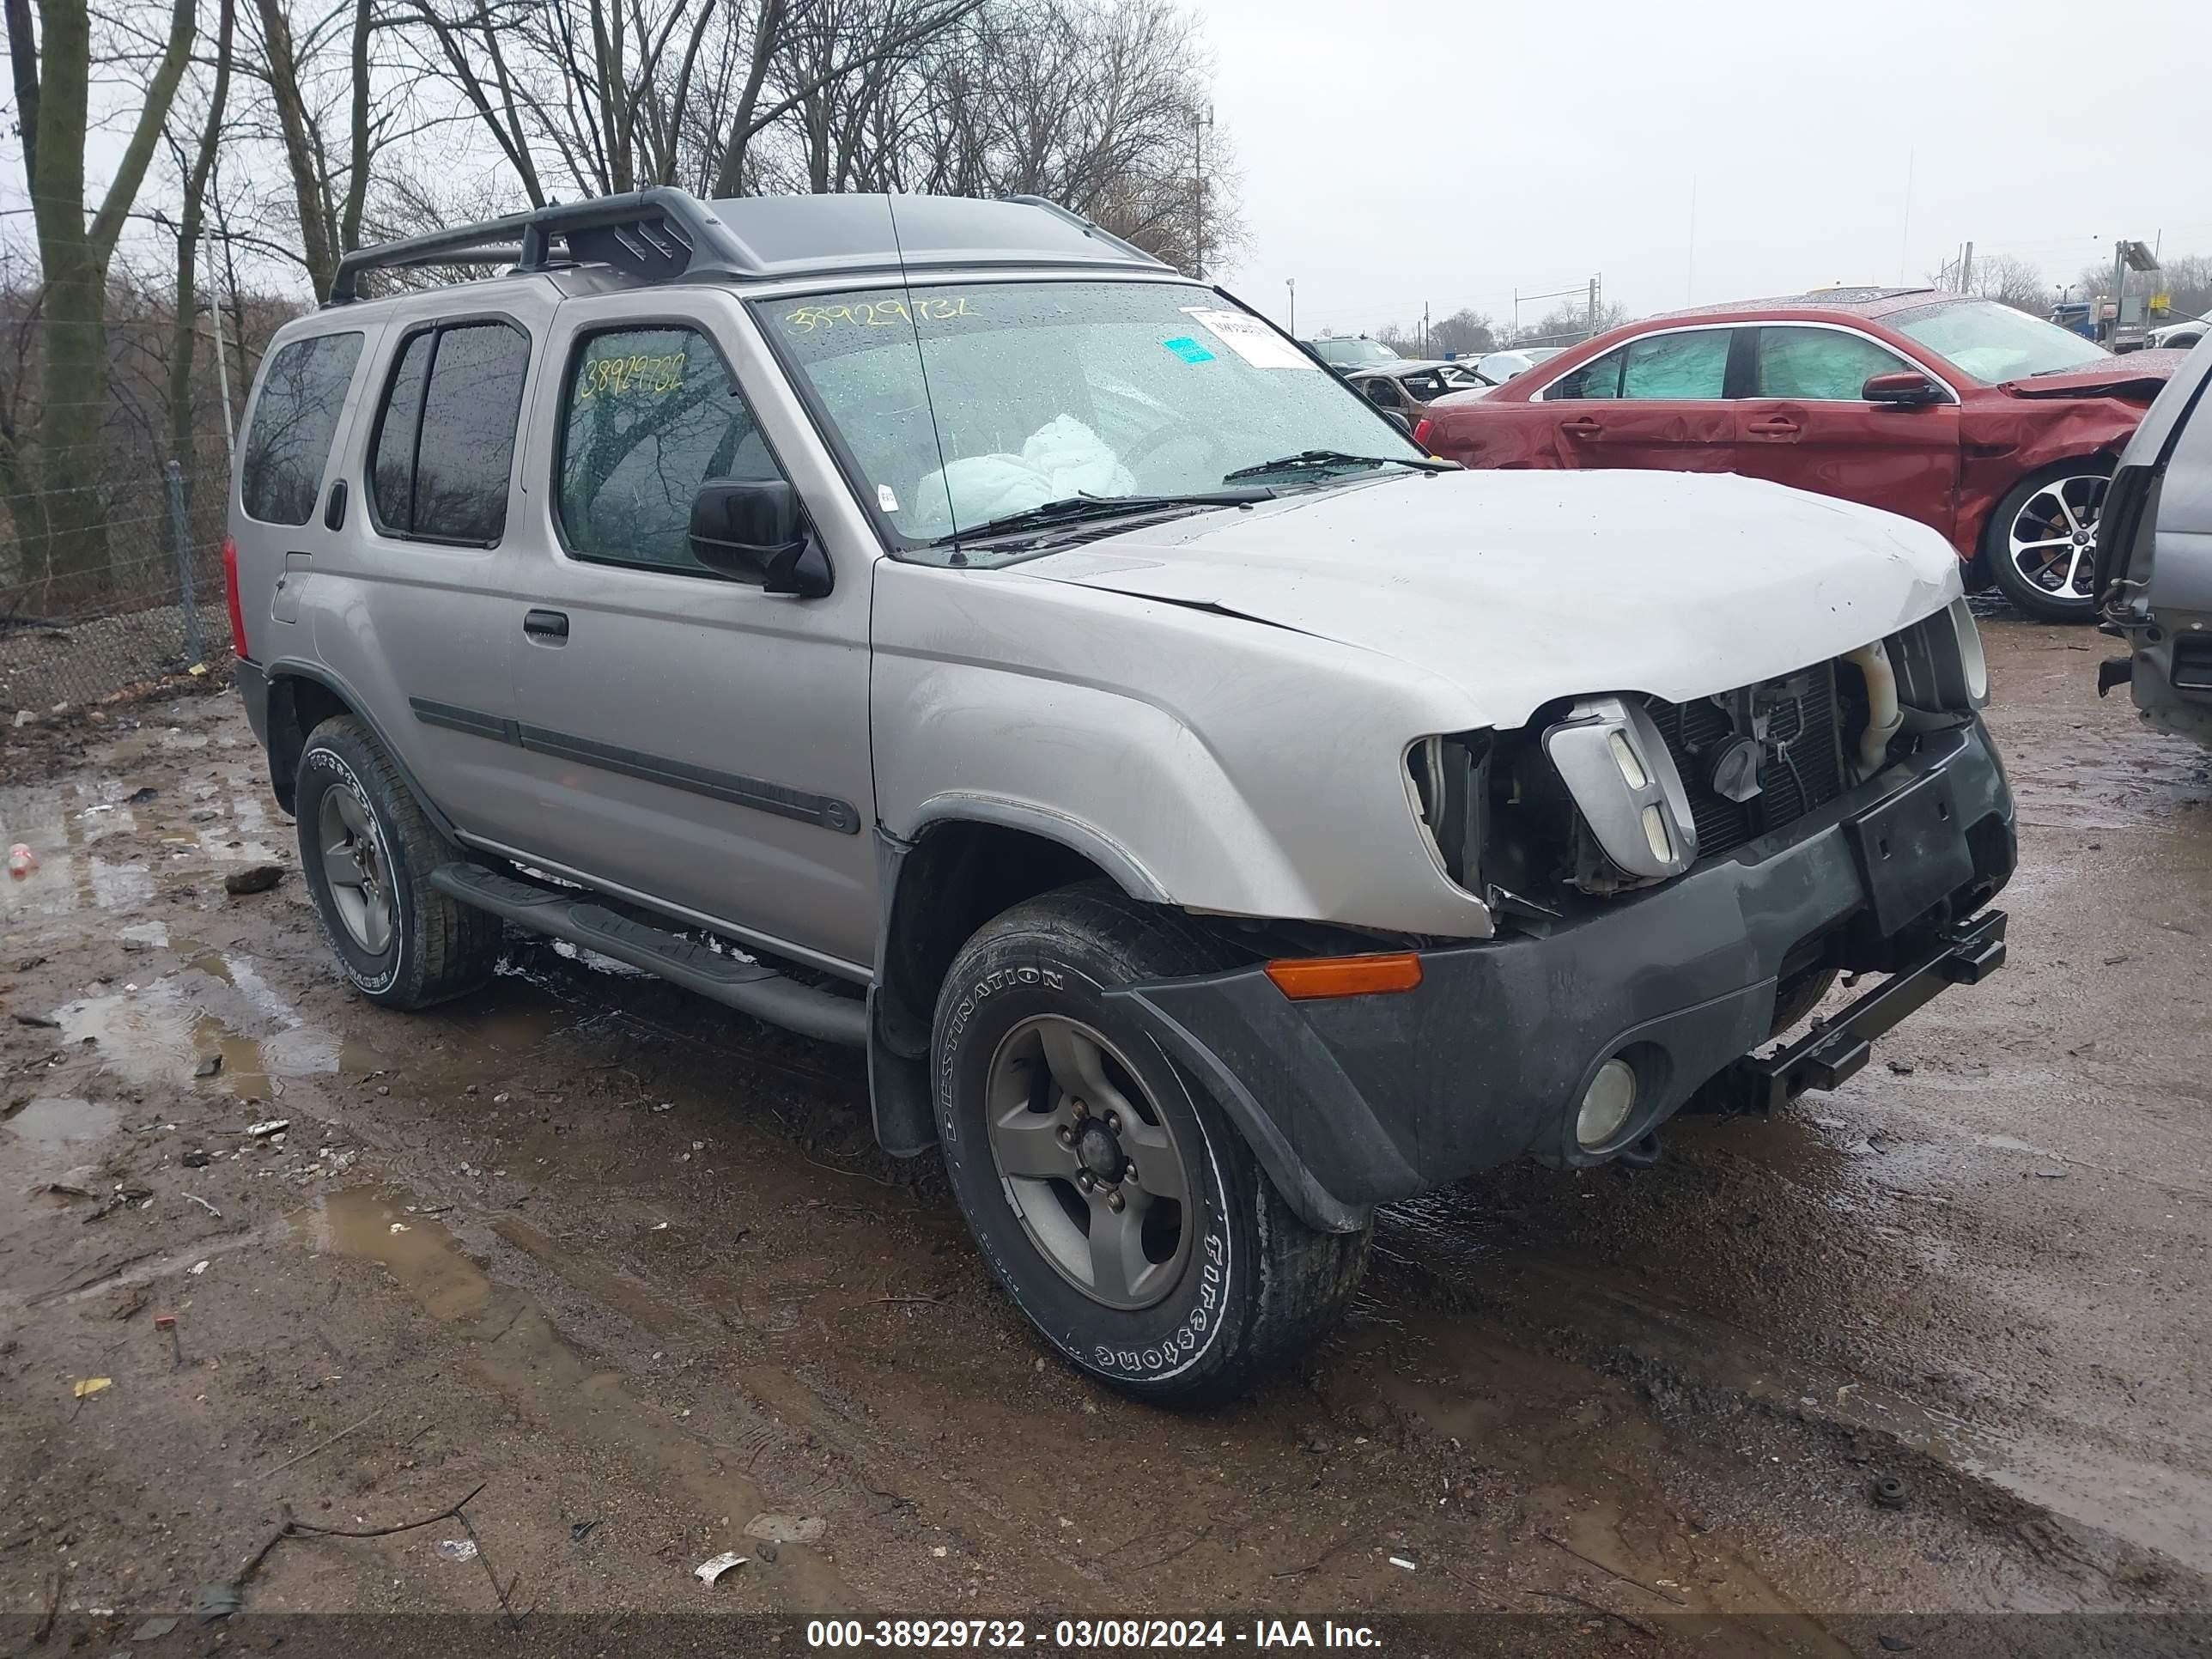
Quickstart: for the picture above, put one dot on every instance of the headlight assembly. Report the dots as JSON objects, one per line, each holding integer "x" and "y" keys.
{"x": 1617, "y": 767}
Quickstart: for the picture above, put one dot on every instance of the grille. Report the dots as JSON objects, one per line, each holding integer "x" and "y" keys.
{"x": 1803, "y": 766}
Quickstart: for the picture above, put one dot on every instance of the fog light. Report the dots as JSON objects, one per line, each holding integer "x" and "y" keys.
{"x": 1606, "y": 1103}
{"x": 1655, "y": 836}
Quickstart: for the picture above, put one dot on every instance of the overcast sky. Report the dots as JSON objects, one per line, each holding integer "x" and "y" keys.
{"x": 1394, "y": 152}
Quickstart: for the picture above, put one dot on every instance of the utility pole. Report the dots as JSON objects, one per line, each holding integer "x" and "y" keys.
{"x": 2119, "y": 289}
{"x": 1291, "y": 283}
{"x": 1424, "y": 328}
{"x": 1596, "y": 284}
{"x": 1966, "y": 269}
{"x": 221, "y": 369}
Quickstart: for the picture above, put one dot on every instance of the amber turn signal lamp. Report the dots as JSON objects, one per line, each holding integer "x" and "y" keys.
{"x": 1303, "y": 978}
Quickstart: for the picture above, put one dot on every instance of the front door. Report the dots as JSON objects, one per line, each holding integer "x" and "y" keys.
{"x": 1658, "y": 401}
{"x": 692, "y": 740}
{"x": 1805, "y": 423}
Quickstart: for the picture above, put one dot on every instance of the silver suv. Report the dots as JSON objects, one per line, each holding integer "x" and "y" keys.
{"x": 937, "y": 626}
{"x": 2154, "y": 579}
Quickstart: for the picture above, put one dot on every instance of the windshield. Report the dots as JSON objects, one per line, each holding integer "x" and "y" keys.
{"x": 1045, "y": 392}
{"x": 1355, "y": 354}
{"x": 1994, "y": 343}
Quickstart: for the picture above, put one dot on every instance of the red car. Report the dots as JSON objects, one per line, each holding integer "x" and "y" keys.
{"x": 1996, "y": 427}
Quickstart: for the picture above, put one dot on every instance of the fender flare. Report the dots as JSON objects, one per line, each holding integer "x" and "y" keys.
{"x": 899, "y": 1095}
{"x": 283, "y": 668}
{"x": 1127, "y": 871}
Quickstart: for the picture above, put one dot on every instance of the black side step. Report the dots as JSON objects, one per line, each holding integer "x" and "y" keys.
{"x": 748, "y": 987}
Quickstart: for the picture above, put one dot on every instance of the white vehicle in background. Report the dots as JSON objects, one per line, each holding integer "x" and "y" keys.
{"x": 2178, "y": 337}
{"x": 1500, "y": 367}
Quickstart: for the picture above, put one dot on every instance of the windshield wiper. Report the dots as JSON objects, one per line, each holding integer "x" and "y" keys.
{"x": 1074, "y": 509}
{"x": 1315, "y": 460}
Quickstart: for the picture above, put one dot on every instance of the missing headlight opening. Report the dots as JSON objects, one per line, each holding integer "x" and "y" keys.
{"x": 1451, "y": 780}
{"x": 1603, "y": 795}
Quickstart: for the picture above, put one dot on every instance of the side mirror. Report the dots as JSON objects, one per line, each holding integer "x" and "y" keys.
{"x": 756, "y": 531}
{"x": 1903, "y": 388}
{"x": 1397, "y": 418}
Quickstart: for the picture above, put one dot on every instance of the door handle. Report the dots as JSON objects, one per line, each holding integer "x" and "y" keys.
{"x": 1581, "y": 427}
{"x": 1775, "y": 428}
{"x": 550, "y": 626}
{"x": 334, "y": 509}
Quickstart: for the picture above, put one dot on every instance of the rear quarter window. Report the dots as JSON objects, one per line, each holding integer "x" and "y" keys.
{"x": 295, "y": 416}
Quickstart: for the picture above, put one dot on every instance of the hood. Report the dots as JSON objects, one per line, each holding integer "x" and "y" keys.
{"x": 1519, "y": 587}
{"x": 2138, "y": 376}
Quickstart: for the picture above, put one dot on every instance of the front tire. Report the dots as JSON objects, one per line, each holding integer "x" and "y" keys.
{"x": 2040, "y": 547}
{"x": 367, "y": 850}
{"x": 1112, "y": 1197}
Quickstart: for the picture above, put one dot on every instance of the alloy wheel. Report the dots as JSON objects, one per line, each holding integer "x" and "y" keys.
{"x": 2052, "y": 539}
{"x": 1088, "y": 1162}
{"x": 354, "y": 867}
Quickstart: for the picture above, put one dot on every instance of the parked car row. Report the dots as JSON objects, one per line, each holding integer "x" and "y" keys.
{"x": 938, "y": 626}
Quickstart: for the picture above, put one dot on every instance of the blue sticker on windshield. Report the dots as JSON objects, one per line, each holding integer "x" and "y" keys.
{"x": 1189, "y": 349}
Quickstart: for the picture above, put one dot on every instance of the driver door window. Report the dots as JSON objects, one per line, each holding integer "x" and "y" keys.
{"x": 650, "y": 414}
{"x": 1824, "y": 364}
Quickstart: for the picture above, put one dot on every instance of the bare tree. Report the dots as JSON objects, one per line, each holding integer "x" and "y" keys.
{"x": 189, "y": 227}
{"x": 2015, "y": 281}
{"x": 55, "y": 489}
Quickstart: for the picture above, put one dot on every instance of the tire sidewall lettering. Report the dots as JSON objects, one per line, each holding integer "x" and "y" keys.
{"x": 1209, "y": 1282}
{"x": 320, "y": 757}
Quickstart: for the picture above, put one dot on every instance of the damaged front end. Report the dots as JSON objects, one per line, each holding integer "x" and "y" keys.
{"x": 1661, "y": 873}
{"x": 1606, "y": 795}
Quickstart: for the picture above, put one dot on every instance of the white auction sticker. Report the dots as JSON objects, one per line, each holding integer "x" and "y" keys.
{"x": 1250, "y": 338}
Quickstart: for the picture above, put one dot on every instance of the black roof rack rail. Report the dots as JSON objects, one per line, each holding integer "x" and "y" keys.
{"x": 1091, "y": 227}
{"x": 661, "y": 235}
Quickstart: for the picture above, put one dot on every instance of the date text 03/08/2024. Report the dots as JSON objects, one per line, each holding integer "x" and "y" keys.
{"x": 1085, "y": 1634}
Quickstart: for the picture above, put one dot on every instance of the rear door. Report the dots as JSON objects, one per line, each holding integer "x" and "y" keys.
{"x": 406, "y": 604}
{"x": 1804, "y": 423}
{"x": 1658, "y": 401}
{"x": 690, "y": 740}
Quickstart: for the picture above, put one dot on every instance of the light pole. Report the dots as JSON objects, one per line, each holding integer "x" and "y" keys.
{"x": 1201, "y": 123}
{"x": 1291, "y": 283}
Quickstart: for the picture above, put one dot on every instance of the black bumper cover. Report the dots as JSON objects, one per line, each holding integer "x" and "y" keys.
{"x": 1356, "y": 1102}
{"x": 253, "y": 687}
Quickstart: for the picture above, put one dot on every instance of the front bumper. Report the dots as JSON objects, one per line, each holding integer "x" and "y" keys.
{"x": 1356, "y": 1102}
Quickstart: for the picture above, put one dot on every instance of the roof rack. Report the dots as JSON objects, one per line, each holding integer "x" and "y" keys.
{"x": 665, "y": 234}
{"x": 661, "y": 235}
{"x": 1089, "y": 228}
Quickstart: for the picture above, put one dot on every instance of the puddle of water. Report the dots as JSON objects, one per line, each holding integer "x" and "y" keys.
{"x": 2012, "y": 1144}
{"x": 54, "y": 1123}
{"x": 219, "y": 1008}
{"x": 414, "y": 1248}
{"x": 98, "y": 851}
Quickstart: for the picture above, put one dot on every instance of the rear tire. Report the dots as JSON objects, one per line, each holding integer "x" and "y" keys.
{"x": 1185, "y": 1277}
{"x": 2034, "y": 546}
{"x": 367, "y": 850}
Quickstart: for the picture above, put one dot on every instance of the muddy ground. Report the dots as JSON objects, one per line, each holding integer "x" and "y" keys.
{"x": 627, "y": 1268}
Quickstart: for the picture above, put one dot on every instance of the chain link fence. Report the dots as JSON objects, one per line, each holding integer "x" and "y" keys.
{"x": 156, "y": 609}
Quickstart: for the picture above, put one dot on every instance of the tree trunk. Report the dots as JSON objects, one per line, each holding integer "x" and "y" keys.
{"x": 183, "y": 435}
{"x": 65, "y": 548}
{"x": 310, "y": 190}
{"x": 65, "y": 551}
